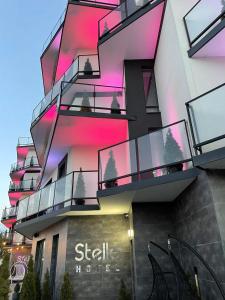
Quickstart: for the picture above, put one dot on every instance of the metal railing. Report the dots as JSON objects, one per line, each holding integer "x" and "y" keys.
{"x": 206, "y": 117}
{"x": 29, "y": 162}
{"x": 83, "y": 65}
{"x": 25, "y": 185}
{"x": 158, "y": 153}
{"x": 202, "y": 18}
{"x": 76, "y": 188}
{"x": 25, "y": 141}
{"x": 54, "y": 31}
{"x": 92, "y": 98}
{"x": 9, "y": 212}
{"x": 116, "y": 17}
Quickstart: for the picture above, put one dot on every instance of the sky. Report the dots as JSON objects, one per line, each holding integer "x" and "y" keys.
{"x": 24, "y": 26}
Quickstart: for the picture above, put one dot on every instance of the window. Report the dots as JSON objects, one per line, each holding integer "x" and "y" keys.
{"x": 150, "y": 91}
{"x": 39, "y": 258}
{"x": 54, "y": 256}
{"x": 62, "y": 167}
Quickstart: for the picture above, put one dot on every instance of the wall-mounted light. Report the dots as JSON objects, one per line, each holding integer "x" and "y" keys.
{"x": 130, "y": 233}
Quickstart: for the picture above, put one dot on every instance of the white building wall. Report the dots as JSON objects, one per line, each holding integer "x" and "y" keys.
{"x": 178, "y": 77}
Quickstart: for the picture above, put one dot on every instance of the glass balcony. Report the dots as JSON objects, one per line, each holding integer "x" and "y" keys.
{"x": 84, "y": 66}
{"x": 158, "y": 153}
{"x": 25, "y": 141}
{"x": 9, "y": 213}
{"x": 92, "y": 98}
{"x": 206, "y": 117}
{"x": 22, "y": 186}
{"x": 75, "y": 189}
{"x": 206, "y": 17}
{"x": 29, "y": 162}
{"x": 116, "y": 17}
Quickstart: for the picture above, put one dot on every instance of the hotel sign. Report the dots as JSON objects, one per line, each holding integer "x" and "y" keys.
{"x": 96, "y": 260}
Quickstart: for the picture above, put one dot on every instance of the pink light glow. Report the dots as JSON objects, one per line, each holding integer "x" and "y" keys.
{"x": 48, "y": 62}
{"x": 80, "y": 35}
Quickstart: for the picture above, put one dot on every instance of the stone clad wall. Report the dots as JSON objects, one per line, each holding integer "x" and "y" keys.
{"x": 101, "y": 258}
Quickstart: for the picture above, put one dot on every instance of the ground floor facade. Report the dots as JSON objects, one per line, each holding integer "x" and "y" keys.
{"x": 100, "y": 251}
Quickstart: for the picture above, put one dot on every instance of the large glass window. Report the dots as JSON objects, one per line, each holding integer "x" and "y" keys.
{"x": 150, "y": 91}
{"x": 54, "y": 256}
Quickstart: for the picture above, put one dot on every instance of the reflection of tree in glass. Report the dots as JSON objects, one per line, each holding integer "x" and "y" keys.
{"x": 85, "y": 105}
{"x": 172, "y": 151}
{"x": 80, "y": 189}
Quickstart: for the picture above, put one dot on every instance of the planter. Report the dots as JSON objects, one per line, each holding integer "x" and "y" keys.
{"x": 88, "y": 72}
{"x": 80, "y": 201}
{"x": 110, "y": 183}
{"x": 85, "y": 109}
{"x": 175, "y": 168}
{"x": 115, "y": 111}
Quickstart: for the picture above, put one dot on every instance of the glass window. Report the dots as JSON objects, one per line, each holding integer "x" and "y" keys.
{"x": 39, "y": 258}
{"x": 54, "y": 256}
{"x": 150, "y": 91}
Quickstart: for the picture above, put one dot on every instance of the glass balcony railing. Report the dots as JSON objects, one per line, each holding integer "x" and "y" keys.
{"x": 77, "y": 188}
{"x": 54, "y": 31}
{"x": 92, "y": 98}
{"x": 25, "y": 141}
{"x": 202, "y": 18}
{"x": 118, "y": 15}
{"x": 158, "y": 153}
{"x": 83, "y": 66}
{"x": 9, "y": 213}
{"x": 29, "y": 162}
{"x": 206, "y": 117}
{"x": 23, "y": 186}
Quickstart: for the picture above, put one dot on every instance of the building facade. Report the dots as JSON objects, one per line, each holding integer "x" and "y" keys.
{"x": 24, "y": 174}
{"x": 130, "y": 140}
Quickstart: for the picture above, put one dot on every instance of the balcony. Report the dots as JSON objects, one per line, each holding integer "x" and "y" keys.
{"x": 83, "y": 112}
{"x": 205, "y": 26}
{"x": 155, "y": 167}
{"x": 77, "y": 34}
{"x": 123, "y": 33}
{"x": 44, "y": 114}
{"x": 19, "y": 168}
{"x": 20, "y": 189}
{"x": 206, "y": 117}
{"x": 9, "y": 216}
{"x": 23, "y": 146}
{"x": 74, "y": 194}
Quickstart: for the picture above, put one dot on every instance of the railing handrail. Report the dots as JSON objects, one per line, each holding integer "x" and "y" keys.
{"x": 9, "y": 212}
{"x": 191, "y": 42}
{"x": 126, "y": 12}
{"x": 61, "y": 79}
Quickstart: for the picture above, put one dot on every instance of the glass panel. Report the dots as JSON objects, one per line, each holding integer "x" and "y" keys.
{"x": 207, "y": 115}
{"x": 111, "y": 98}
{"x": 78, "y": 97}
{"x": 72, "y": 71}
{"x": 88, "y": 65}
{"x": 202, "y": 15}
{"x": 111, "y": 20}
{"x": 33, "y": 204}
{"x": 63, "y": 189}
{"x": 17, "y": 238}
{"x": 163, "y": 147}
{"x": 47, "y": 195}
{"x": 22, "y": 209}
{"x": 85, "y": 184}
{"x": 119, "y": 14}
{"x": 118, "y": 161}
